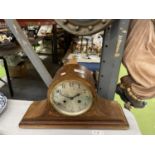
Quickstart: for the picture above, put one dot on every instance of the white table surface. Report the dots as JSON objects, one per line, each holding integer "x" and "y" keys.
{"x": 15, "y": 110}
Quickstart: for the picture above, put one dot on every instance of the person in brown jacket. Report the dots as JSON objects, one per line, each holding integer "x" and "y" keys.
{"x": 139, "y": 60}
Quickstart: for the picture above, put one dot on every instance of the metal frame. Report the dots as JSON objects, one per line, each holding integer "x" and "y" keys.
{"x": 112, "y": 53}
{"x": 28, "y": 50}
{"x": 113, "y": 48}
{"x": 54, "y": 45}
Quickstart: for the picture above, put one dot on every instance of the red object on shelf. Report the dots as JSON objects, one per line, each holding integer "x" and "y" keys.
{"x": 26, "y": 22}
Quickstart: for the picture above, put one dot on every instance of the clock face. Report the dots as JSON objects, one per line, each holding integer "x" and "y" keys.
{"x": 71, "y": 97}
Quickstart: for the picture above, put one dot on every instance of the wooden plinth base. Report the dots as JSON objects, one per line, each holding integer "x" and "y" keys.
{"x": 103, "y": 114}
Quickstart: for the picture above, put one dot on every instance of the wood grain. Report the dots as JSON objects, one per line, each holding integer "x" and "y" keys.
{"x": 103, "y": 114}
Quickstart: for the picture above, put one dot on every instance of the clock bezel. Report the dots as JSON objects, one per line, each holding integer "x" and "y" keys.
{"x": 67, "y": 78}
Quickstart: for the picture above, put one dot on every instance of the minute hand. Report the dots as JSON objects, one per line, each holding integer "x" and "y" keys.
{"x": 70, "y": 97}
{"x": 75, "y": 95}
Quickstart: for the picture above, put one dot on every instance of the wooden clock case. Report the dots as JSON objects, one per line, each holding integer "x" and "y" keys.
{"x": 103, "y": 114}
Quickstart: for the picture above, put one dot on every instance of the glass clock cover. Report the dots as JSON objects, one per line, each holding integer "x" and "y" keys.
{"x": 71, "y": 97}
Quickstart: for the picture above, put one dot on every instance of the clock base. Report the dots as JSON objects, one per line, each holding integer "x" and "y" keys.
{"x": 103, "y": 114}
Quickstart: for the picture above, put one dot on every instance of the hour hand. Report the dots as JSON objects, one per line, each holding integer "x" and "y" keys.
{"x": 71, "y": 98}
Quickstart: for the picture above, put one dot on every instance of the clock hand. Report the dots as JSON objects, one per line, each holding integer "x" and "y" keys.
{"x": 76, "y": 95}
{"x": 71, "y": 98}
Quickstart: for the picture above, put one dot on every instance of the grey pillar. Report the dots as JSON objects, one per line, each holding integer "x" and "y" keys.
{"x": 28, "y": 50}
{"x": 112, "y": 53}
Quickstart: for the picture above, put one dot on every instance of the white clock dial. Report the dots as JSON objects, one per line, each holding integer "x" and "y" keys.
{"x": 71, "y": 97}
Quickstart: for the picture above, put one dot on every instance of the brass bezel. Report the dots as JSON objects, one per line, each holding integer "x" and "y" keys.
{"x": 80, "y": 80}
